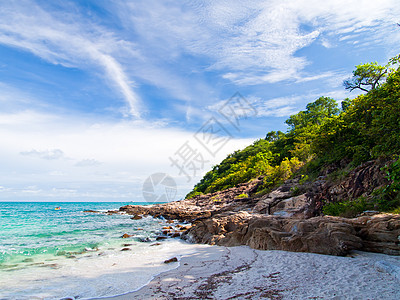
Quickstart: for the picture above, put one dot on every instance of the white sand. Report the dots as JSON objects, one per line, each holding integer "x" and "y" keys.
{"x": 243, "y": 273}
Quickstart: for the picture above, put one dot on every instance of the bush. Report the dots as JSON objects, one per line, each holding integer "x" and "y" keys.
{"x": 241, "y": 196}
{"x": 347, "y": 209}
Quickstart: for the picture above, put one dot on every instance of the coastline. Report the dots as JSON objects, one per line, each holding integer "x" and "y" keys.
{"x": 217, "y": 272}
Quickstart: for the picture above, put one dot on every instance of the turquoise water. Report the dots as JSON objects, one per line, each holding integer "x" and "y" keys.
{"x": 51, "y": 254}
{"x": 31, "y": 229}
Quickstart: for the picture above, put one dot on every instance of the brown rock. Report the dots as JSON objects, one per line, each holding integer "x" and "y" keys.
{"x": 125, "y": 249}
{"x": 171, "y": 260}
{"x": 125, "y": 235}
{"x": 160, "y": 238}
{"x": 318, "y": 235}
{"x": 136, "y": 217}
{"x": 155, "y": 244}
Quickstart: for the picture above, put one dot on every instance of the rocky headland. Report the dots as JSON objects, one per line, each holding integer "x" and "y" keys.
{"x": 288, "y": 218}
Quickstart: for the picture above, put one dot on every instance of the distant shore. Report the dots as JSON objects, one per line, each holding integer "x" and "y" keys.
{"x": 215, "y": 272}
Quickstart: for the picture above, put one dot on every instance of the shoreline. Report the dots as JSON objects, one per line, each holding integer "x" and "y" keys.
{"x": 241, "y": 272}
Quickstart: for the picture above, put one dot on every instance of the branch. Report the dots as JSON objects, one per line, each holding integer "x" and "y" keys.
{"x": 378, "y": 78}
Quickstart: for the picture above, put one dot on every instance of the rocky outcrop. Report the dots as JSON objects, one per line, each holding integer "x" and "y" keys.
{"x": 379, "y": 233}
{"x": 361, "y": 181}
{"x": 202, "y": 206}
{"x": 318, "y": 235}
{"x": 288, "y": 218}
{"x": 323, "y": 234}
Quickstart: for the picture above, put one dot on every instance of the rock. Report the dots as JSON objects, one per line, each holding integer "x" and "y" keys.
{"x": 291, "y": 206}
{"x": 126, "y": 245}
{"x": 136, "y": 217}
{"x": 125, "y": 236}
{"x": 125, "y": 249}
{"x": 171, "y": 260}
{"x": 156, "y": 244}
{"x": 167, "y": 227}
{"x": 28, "y": 260}
{"x": 369, "y": 213}
{"x": 92, "y": 211}
{"x": 145, "y": 240}
{"x": 170, "y": 221}
{"x": 160, "y": 238}
{"x": 379, "y": 233}
{"x": 139, "y": 228}
{"x": 175, "y": 234}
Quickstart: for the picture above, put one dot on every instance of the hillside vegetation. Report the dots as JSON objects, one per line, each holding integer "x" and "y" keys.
{"x": 326, "y": 135}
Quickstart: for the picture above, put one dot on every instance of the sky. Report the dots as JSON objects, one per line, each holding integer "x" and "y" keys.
{"x": 98, "y": 96}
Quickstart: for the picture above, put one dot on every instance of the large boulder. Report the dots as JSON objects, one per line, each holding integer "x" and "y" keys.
{"x": 323, "y": 234}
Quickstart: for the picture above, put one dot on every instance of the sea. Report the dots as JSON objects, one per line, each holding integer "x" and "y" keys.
{"x": 56, "y": 250}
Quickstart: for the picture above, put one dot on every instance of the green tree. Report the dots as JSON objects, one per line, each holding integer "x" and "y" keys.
{"x": 273, "y": 136}
{"x": 370, "y": 76}
{"x": 315, "y": 113}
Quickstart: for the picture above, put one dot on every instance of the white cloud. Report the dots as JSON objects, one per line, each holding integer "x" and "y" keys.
{"x": 55, "y": 151}
{"x": 46, "y": 154}
{"x": 87, "y": 163}
{"x": 249, "y": 43}
{"x": 66, "y": 39}
{"x": 255, "y": 42}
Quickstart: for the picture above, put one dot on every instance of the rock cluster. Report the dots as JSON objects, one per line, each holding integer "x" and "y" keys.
{"x": 288, "y": 218}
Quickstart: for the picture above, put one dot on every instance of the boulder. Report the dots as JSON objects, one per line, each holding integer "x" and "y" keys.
{"x": 171, "y": 260}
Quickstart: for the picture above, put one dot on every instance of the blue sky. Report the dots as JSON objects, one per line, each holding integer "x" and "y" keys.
{"x": 98, "y": 95}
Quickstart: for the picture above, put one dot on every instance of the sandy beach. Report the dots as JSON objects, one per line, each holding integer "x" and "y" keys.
{"x": 215, "y": 272}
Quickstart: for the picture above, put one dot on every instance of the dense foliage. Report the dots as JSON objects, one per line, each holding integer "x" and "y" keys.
{"x": 364, "y": 128}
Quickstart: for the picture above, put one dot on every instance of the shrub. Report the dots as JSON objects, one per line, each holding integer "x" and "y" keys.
{"x": 241, "y": 196}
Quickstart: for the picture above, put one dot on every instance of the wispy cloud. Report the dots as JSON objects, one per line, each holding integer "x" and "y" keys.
{"x": 284, "y": 106}
{"x": 46, "y": 154}
{"x": 88, "y": 162}
{"x": 170, "y": 44}
{"x": 67, "y": 39}
{"x": 255, "y": 42}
